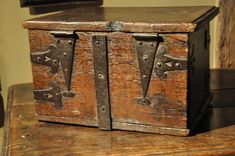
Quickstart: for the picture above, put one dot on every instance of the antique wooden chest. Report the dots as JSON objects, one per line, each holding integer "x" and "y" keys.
{"x": 138, "y": 69}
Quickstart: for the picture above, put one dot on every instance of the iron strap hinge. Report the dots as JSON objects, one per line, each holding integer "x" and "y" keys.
{"x": 151, "y": 55}
{"x": 59, "y": 53}
{"x": 165, "y": 62}
{"x": 51, "y": 94}
{"x": 100, "y": 55}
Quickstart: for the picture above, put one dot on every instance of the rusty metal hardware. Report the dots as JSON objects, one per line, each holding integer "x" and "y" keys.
{"x": 165, "y": 63}
{"x": 146, "y": 47}
{"x": 100, "y": 55}
{"x": 52, "y": 95}
{"x": 58, "y": 54}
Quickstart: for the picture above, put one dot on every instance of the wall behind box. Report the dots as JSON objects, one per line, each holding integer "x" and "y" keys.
{"x": 14, "y": 47}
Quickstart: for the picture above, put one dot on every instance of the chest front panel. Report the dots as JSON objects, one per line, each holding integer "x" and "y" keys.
{"x": 139, "y": 93}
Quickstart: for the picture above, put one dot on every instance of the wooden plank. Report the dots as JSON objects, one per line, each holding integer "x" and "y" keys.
{"x": 161, "y": 19}
{"x": 225, "y": 48}
{"x": 28, "y": 137}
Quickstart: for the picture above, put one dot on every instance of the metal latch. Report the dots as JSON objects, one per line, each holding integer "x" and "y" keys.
{"x": 58, "y": 54}
{"x": 100, "y": 55}
{"x": 165, "y": 62}
{"x": 51, "y": 94}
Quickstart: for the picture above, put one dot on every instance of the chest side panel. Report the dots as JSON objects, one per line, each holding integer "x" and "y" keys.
{"x": 199, "y": 73}
{"x": 81, "y": 106}
{"x": 167, "y": 96}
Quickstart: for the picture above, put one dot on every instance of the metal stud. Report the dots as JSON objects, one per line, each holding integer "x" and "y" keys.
{"x": 177, "y": 65}
{"x": 70, "y": 42}
{"x": 100, "y": 76}
{"x": 159, "y": 64}
{"x": 97, "y": 42}
{"x": 145, "y": 57}
{"x": 144, "y": 76}
{"x": 140, "y": 43}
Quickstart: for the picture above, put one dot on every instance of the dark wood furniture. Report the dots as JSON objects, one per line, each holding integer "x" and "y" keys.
{"x": 25, "y": 136}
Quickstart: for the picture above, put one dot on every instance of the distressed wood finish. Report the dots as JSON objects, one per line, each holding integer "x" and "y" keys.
{"x": 168, "y": 106}
{"x": 173, "y": 104}
{"x": 125, "y": 85}
{"x": 82, "y": 108}
{"x": 225, "y": 49}
{"x": 25, "y": 136}
{"x": 171, "y": 19}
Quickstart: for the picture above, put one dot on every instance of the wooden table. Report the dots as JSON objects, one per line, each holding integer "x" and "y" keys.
{"x": 25, "y": 136}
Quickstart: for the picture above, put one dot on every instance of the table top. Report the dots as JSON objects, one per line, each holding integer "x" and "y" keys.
{"x": 25, "y": 136}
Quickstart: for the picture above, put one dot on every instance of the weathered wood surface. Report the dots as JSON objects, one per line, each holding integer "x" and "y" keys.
{"x": 162, "y": 19}
{"x": 25, "y": 136}
{"x": 125, "y": 85}
{"x": 225, "y": 48}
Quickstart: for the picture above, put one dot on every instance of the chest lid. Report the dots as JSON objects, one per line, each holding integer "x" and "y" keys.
{"x": 153, "y": 19}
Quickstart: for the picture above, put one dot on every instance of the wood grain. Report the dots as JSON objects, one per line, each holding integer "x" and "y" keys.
{"x": 171, "y": 110}
{"x": 225, "y": 48}
{"x": 168, "y": 110}
{"x": 161, "y": 19}
{"x": 25, "y": 136}
{"x": 83, "y": 105}
{"x": 168, "y": 106}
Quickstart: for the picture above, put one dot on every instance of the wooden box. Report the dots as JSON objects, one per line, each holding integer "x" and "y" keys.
{"x": 138, "y": 69}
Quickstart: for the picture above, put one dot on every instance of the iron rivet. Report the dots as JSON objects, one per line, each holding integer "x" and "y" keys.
{"x": 100, "y": 76}
{"x": 144, "y": 76}
{"x": 145, "y": 57}
{"x": 66, "y": 69}
{"x": 151, "y": 44}
{"x": 65, "y": 54}
{"x": 57, "y": 95}
{"x": 97, "y": 42}
{"x": 103, "y": 108}
{"x": 45, "y": 95}
{"x": 54, "y": 61}
{"x": 39, "y": 59}
{"x": 177, "y": 65}
{"x": 140, "y": 43}
{"x": 159, "y": 64}
{"x": 69, "y": 42}
{"x": 23, "y": 136}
